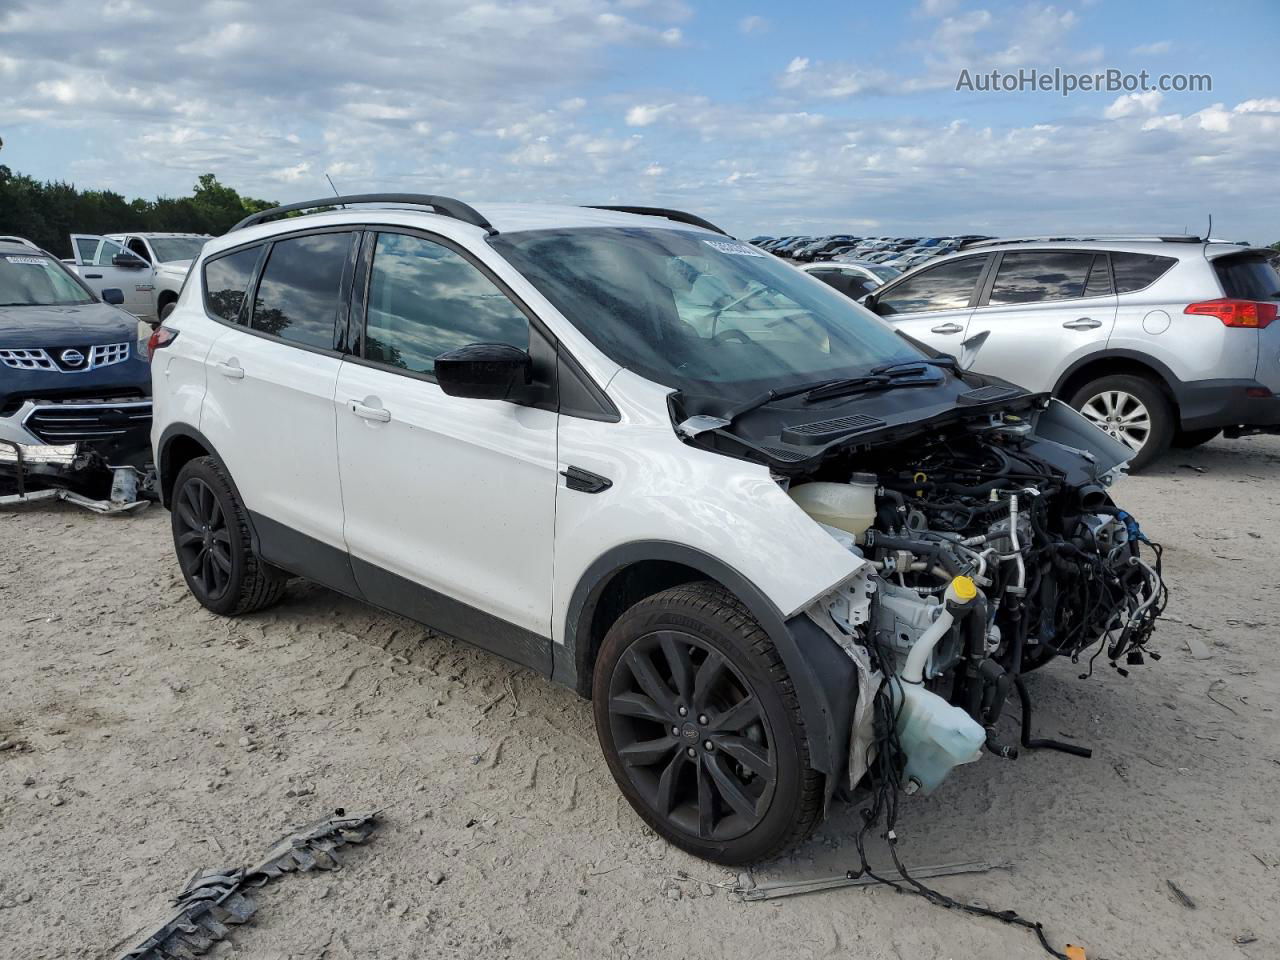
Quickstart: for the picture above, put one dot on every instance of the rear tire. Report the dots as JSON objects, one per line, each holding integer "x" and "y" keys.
{"x": 167, "y": 309}
{"x": 1187, "y": 439}
{"x": 701, "y": 727}
{"x": 215, "y": 549}
{"x": 1132, "y": 409}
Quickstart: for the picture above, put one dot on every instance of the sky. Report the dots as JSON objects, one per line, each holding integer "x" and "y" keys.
{"x": 767, "y": 118}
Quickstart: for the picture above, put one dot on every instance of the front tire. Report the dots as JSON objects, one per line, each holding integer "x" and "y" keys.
{"x": 1133, "y": 410}
{"x": 701, "y": 727}
{"x": 215, "y": 550}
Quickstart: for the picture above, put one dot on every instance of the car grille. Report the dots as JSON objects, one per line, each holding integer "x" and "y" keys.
{"x": 66, "y": 359}
{"x": 84, "y": 422}
{"x": 27, "y": 359}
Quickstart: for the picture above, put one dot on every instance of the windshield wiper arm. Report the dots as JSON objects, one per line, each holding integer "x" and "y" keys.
{"x": 903, "y": 367}
{"x": 702, "y": 422}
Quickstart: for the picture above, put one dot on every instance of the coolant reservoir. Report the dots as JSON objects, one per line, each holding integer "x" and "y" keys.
{"x": 848, "y": 506}
{"x": 935, "y": 736}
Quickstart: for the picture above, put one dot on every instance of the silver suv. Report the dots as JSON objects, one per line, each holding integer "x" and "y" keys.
{"x": 1157, "y": 340}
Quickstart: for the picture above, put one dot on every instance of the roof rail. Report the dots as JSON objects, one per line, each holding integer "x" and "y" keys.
{"x": 1081, "y": 238}
{"x": 679, "y": 216}
{"x": 22, "y": 240}
{"x": 445, "y": 206}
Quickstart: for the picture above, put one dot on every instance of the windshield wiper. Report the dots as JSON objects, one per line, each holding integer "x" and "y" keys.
{"x": 902, "y": 367}
{"x": 702, "y": 422}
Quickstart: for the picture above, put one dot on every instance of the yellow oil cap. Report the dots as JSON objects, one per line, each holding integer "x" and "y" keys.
{"x": 964, "y": 589}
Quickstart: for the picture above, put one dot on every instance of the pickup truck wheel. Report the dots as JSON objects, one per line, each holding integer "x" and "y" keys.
{"x": 1131, "y": 409}
{"x": 701, "y": 727}
{"x": 215, "y": 551}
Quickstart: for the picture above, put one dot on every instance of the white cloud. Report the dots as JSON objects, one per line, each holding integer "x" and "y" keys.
{"x": 753, "y": 24}
{"x": 294, "y": 173}
{"x": 1132, "y": 104}
{"x": 644, "y": 114}
{"x": 1152, "y": 49}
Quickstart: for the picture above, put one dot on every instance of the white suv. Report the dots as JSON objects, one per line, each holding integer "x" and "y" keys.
{"x": 783, "y": 551}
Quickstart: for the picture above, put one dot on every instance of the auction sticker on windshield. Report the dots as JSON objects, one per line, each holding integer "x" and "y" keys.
{"x": 735, "y": 249}
{"x": 35, "y": 261}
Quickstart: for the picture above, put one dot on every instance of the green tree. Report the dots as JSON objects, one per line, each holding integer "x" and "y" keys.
{"x": 48, "y": 212}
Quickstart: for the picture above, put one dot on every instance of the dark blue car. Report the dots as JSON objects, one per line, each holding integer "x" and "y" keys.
{"x": 75, "y": 393}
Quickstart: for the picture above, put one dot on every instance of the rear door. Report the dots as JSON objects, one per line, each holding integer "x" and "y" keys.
{"x": 933, "y": 304}
{"x": 449, "y": 501}
{"x": 269, "y": 404}
{"x": 93, "y": 260}
{"x": 1042, "y": 310}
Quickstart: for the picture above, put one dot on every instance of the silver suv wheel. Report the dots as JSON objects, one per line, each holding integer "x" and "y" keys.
{"x": 1120, "y": 414}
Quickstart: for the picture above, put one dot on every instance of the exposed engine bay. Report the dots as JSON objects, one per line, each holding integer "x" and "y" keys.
{"x": 989, "y": 549}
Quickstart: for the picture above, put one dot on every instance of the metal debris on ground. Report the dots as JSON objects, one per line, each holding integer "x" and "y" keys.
{"x": 213, "y": 901}
{"x": 772, "y": 891}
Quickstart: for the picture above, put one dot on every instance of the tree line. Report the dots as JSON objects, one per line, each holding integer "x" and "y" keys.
{"x": 48, "y": 212}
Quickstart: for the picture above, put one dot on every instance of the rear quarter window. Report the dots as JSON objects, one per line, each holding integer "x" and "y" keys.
{"x": 1133, "y": 271}
{"x": 1249, "y": 277}
{"x": 226, "y": 279}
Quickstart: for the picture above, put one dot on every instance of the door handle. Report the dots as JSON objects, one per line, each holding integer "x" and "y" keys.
{"x": 365, "y": 412}
{"x": 1084, "y": 323}
{"x": 947, "y": 328}
{"x": 93, "y": 276}
{"x": 230, "y": 371}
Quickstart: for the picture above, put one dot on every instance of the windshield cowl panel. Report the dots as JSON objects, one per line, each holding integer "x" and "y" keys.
{"x": 707, "y": 315}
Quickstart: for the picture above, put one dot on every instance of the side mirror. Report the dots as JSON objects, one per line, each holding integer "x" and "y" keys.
{"x": 868, "y": 301}
{"x": 126, "y": 259}
{"x": 113, "y": 296}
{"x": 485, "y": 371}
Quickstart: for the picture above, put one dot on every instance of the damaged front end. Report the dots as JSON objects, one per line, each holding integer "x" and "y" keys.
{"x": 989, "y": 547}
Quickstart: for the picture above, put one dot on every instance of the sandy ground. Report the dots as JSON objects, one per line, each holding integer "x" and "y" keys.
{"x": 145, "y": 737}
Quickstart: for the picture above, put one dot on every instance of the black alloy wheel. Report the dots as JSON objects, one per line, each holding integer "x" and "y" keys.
{"x": 202, "y": 538}
{"x": 701, "y": 726}
{"x": 693, "y": 738}
{"x": 214, "y": 544}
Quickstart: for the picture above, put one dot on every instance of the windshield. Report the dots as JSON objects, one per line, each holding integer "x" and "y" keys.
{"x": 704, "y": 314}
{"x": 34, "y": 280}
{"x": 168, "y": 249}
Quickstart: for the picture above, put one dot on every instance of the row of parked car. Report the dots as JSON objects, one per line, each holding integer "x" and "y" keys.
{"x": 901, "y": 253}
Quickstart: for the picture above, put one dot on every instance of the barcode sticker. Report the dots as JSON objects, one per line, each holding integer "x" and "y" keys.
{"x": 734, "y": 249}
{"x": 34, "y": 261}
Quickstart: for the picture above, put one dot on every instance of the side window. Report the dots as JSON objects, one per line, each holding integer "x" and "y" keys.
{"x": 106, "y": 250}
{"x": 137, "y": 246}
{"x": 1037, "y": 276}
{"x": 85, "y": 248}
{"x": 948, "y": 286}
{"x": 425, "y": 300}
{"x": 1099, "y": 284}
{"x": 1137, "y": 270}
{"x": 300, "y": 289}
{"x": 226, "y": 280}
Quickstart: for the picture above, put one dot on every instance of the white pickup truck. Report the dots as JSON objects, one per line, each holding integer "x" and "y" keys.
{"x": 149, "y": 267}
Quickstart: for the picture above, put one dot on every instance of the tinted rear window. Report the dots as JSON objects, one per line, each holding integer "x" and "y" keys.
{"x": 1251, "y": 277}
{"x": 226, "y": 280}
{"x": 1042, "y": 275}
{"x": 298, "y": 294}
{"x": 1137, "y": 270}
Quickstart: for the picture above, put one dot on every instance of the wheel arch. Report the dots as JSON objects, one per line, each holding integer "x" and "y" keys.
{"x": 823, "y": 675}
{"x": 179, "y": 444}
{"x": 1117, "y": 362}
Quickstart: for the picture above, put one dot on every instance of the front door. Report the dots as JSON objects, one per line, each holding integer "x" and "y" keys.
{"x": 449, "y": 502}
{"x": 933, "y": 304}
{"x": 93, "y": 258}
